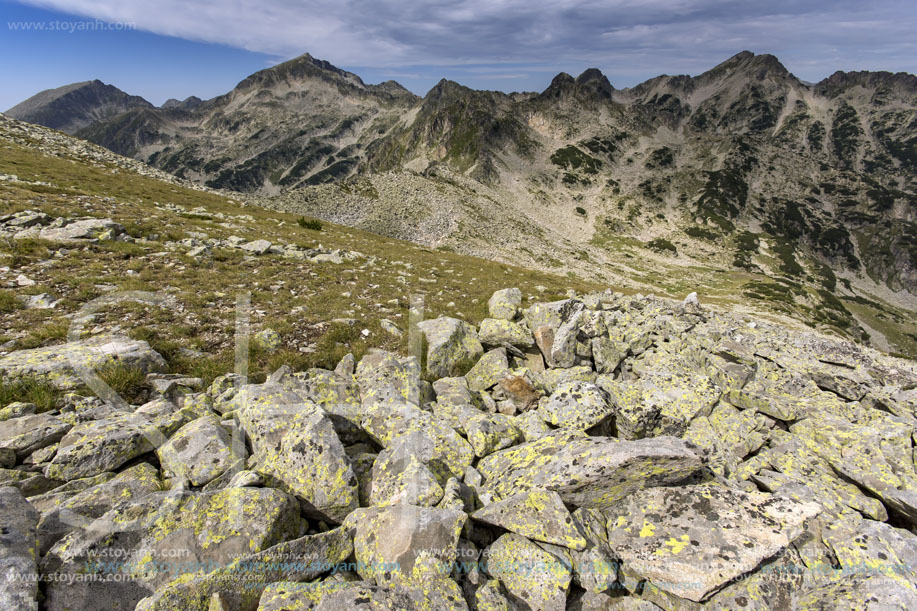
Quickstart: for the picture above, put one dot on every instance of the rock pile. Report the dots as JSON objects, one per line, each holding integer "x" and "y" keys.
{"x": 600, "y": 452}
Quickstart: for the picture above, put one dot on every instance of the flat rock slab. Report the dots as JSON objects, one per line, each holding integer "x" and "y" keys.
{"x": 691, "y": 541}
{"x": 26, "y": 434}
{"x": 538, "y": 515}
{"x": 589, "y": 471}
{"x": 60, "y": 364}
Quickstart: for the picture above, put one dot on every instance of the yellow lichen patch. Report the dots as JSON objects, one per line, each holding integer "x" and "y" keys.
{"x": 678, "y": 544}
{"x": 648, "y": 529}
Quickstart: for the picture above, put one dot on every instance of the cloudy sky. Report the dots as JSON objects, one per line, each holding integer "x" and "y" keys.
{"x": 175, "y": 48}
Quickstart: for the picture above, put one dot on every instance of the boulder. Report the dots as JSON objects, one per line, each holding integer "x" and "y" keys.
{"x": 93, "y": 447}
{"x": 490, "y": 369}
{"x": 63, "y": 511}
{"x": 529, "y": 573}
{"x": 404, "y": 543}
{"x": 576, "y": 405}
{"x": 26, "y": 434}
{"x": 131, "y": 548}
{"x": 83, "y": 230}
{"x": 298, "y": 447}
{"x": 589, "y": 471}
{"x": 18, "y": 551}
{"x": 497, "y": 332}
{"x": 452, "y": 346}
{"x": 61, "y": 365}
{"x": 691, "y": 541}
{"x": 200, "y": 451}
{"x": 504, "y": 304}
{"x": 538, "y": 515}
{"x": 241, "y": 582}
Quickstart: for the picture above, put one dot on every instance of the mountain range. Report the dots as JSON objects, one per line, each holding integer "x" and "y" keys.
{"x": 741, "y": 180}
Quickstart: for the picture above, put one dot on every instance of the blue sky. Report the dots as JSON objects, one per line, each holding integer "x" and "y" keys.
{"x": 176, "y": 48}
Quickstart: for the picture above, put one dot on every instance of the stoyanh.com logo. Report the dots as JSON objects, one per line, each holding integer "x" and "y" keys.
{"x": 70, "y": 27}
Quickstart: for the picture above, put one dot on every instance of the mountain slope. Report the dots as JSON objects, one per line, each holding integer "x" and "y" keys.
{"x": 740, "y": 182}
{"x": 300, "y": 122}
{"x": 75, "y": 106}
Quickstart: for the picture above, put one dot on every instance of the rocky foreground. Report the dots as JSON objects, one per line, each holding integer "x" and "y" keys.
{"x": 601, "y": 452}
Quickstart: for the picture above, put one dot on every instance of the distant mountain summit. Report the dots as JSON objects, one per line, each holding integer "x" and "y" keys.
{"x": 75, "y": 106}
{"x": 744, "y": 166}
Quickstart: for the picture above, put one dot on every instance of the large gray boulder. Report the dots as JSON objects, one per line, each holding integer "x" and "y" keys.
{"x": 241, "y": 582}
{"x": 83, "y": 230}
{"x": 504, "y": 304}
{"x": 132, "y": 548}
{"x": 26, "y": 434}
{"x": 691, "y": 541}
{"x": 589, "y": 471}
{"x": 97, "y": 446}
{"x": 298, "y": 447}
{"x": 530, "y": 573}
{"x": 452, "y": 346}
{"x": 200, "y": 451}
{"x": 60, "y": 365}
{"x": 18, "y": 551}
{"x": 404, "y": 543}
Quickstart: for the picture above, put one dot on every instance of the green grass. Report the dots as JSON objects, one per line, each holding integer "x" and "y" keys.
{"x": 311, "y": 224}
{"x": 9, "y": 302}
{"x": 298, "y": 299}
{"x": 128, "y": 382}
{"x": 29, "y": 390}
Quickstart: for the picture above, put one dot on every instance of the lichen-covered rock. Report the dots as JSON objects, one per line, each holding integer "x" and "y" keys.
{"x": 64, "y": 511}
{"x": 497, "y": 332}
{"x": 529, "y": 573}
{"x": 538, "y": 515}
{"x": 660, "y": 404}
{"x": 241, "y": 582}
{"x": 577, "y": 405}
{"x": 587, "y": 471}
{"x": 297, "y": 446}
{"x": 386, "y": 422}
{"x": 18, "y": 551}
{"x": 490, "y": 369}
{"x": 595, "y": 601}
{"x": 267, "y": 340}
{"x": 452, "y": 346}
{"x": 103, "y": 445}
{"x": 861, "y": 591}
{"x": 404, "y": 543}
{"x": 331, "y": 595}
{"x": 504, "y": 304}
{"x": 82, "y": 230}
{"x": 488, "y": 433}
{"x": 691, "y": 541}
{"x": 200, "y": 451}
{"x": 26, "y": 434}
{"x": 16, "y": 409}
{"x": 136, "y": 541}
{"x": 595, "y": 568}
{"x": 493, "y": 597}
{"x": 400, "y": 475}
{"x": 563, "y": 348}
{"x": 56, "y": 364}
{"x": 383, "y": 377}
{"x": 607, "y": 353}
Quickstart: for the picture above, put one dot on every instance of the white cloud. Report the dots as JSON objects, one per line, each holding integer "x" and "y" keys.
{"x": 636, "y": 38}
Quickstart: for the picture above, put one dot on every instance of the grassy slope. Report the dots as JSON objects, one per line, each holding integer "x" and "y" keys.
{"x": 298, "y": 299}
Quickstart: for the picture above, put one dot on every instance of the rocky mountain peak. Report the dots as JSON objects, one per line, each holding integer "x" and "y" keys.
{"x": 592, "y": 78}
{"x": 72, "y": 107}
